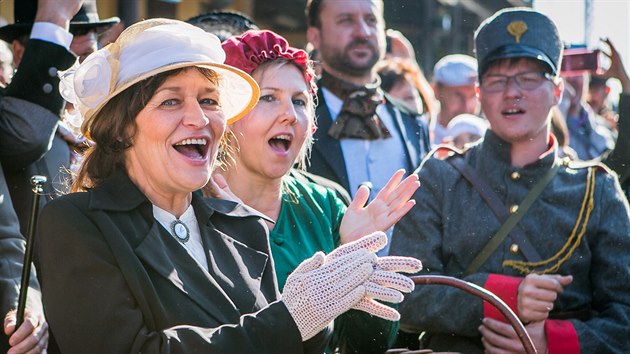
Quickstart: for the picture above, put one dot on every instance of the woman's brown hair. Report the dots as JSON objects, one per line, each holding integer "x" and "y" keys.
{"x": 114, "y": 127}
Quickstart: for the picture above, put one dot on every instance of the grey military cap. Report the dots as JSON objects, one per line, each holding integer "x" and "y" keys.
{"x": 518, "y": 33}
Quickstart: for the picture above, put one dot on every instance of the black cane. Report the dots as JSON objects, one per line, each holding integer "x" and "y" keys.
{"x": 37, "y": 182}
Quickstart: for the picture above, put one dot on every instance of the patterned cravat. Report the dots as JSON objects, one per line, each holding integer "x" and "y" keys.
{"x": 357, "y": 119}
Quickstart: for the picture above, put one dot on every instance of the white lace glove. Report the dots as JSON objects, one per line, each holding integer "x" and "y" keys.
{"x": 352, "y": 276}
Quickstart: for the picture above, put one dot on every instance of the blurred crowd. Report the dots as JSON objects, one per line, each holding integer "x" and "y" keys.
{"x": 210, "y": 187}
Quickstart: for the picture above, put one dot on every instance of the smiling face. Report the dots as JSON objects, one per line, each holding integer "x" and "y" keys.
{"x": 176, "y": 136}
{"x": 274, "y": 134}
{"x": 517, "y": 115}
{"x": 351, "y": 37}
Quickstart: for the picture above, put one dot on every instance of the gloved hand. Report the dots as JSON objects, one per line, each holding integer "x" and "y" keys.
{"x": 352, "y": 276}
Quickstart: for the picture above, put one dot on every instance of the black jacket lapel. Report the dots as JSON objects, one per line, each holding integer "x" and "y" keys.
{"x": 160, "y": 251}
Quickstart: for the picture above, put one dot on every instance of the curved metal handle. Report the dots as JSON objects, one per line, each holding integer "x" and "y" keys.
{"x": 485, "y": 295}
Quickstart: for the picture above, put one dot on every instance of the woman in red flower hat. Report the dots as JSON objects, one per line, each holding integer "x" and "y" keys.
{"x": 304, "y": 217}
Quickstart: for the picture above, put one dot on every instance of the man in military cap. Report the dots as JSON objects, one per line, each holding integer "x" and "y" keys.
{"x": 563, "y": 268}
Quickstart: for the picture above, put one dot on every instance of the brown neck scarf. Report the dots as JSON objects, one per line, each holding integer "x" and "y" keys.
{"x": 357, "y": 119}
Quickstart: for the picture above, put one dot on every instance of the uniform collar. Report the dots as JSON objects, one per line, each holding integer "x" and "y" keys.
{"x": 497, "y": 150}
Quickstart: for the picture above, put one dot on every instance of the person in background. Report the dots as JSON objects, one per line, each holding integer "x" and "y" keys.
{"x": 81, "y": 40}
{"x": 597, "y": 98}
{"x": 223, "y": 24}
{"x": 362, "y": 137}
{"x": 307, "y": 218}
{"x": 402, "y": 79}
{"x": 150, "y": 266}
{"x": 588, "y": 136}
{"x": 465, "y": 129}
{"x": 454, "y": 79}
{"x": 563, "y": 270}
{"x": 27, "y": 123}
{"x": 6, "y": 64}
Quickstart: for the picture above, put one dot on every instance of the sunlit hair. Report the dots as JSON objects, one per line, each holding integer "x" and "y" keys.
{"x": 114, "y": 127}
{"x": 228, "y": 150}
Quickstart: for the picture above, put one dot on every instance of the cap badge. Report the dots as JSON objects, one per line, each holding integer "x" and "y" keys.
{"x": 516, "y": 29}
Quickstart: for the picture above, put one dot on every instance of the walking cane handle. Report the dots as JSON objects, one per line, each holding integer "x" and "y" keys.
{"x": 37, "y": 181}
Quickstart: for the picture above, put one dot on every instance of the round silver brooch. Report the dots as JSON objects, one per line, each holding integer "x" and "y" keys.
{"x": 180, "y": 230}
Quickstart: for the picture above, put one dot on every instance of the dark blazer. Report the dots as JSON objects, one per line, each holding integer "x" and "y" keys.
{"x": 115, "y": 281}
{"x": 29, "y": 112}
{"x": 327, "y": 158}
{"x": 32, "y": 135}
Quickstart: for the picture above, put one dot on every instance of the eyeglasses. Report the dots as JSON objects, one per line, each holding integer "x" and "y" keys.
{"x": 528, "y": 81}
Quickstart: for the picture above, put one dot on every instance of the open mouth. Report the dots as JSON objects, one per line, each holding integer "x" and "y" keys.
{"x": 512, "y": 111}
{"x": 196, "y": 149}
{"x": 281, "y": 142}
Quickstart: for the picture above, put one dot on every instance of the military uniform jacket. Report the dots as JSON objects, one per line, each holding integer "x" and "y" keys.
{"x": 327, "y": 158}
{"x": 115, "y": 281}
{"x": 451, "y": 224}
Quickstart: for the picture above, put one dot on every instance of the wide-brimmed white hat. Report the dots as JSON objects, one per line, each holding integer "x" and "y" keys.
{"x": 148, "y": 48}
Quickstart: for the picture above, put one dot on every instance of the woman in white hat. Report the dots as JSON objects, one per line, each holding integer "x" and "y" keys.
{"x": 137, "y": 261}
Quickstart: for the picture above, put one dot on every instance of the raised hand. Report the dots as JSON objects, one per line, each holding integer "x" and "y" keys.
{"x": 390, "y": 204}
{"x": 59, "y": 12}
{"x": 537, "y": 293}
{"x": 217, "y": 187}
{"x": 616, "y": 70}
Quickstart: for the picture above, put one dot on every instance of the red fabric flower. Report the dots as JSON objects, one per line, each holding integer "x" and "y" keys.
{"x": 255, "y": 47}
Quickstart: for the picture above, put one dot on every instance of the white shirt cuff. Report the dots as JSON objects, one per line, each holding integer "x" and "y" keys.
{"x": 50, "y": 32}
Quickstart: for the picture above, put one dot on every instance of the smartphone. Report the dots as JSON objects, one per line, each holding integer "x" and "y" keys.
{"x": 576, "y": 61}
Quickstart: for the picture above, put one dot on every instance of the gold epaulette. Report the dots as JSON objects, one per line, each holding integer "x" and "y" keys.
{"x": 580, "y": 164}
{"x": 444, "y": 151}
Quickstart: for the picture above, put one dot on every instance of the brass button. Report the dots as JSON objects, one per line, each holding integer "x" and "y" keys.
{"x": 515, "y": 176}
{"x": 513, "y": 209}
{"x": 514, "y": 248}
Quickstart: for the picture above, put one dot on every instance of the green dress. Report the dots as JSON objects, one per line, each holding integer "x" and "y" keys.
{"x": 309, "y": 220}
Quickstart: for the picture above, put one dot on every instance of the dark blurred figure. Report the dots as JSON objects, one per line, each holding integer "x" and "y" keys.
{"x": 223, "y": 24}
{"x": 55, "y": 164}
{"x": 597, "y": 98}
{"x": 29, "y": 111}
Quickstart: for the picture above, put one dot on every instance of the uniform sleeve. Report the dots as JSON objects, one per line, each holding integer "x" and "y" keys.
{"x": 434, "y": 308}
{"x": 80, "y": 277}
{"x": 608, "y": 328}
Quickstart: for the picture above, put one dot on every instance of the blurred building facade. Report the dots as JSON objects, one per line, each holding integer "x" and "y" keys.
{"x": 435, "y": 27}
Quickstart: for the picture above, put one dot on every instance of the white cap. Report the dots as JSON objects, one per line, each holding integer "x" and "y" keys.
{"x": 455, "y": 70}
{"x": 467, "y": 123}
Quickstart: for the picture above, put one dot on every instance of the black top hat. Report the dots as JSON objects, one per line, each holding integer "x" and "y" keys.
{"x": 223, "y": 24}
{"x": 24, "y": 12}
{"x": 518, "y": 33}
